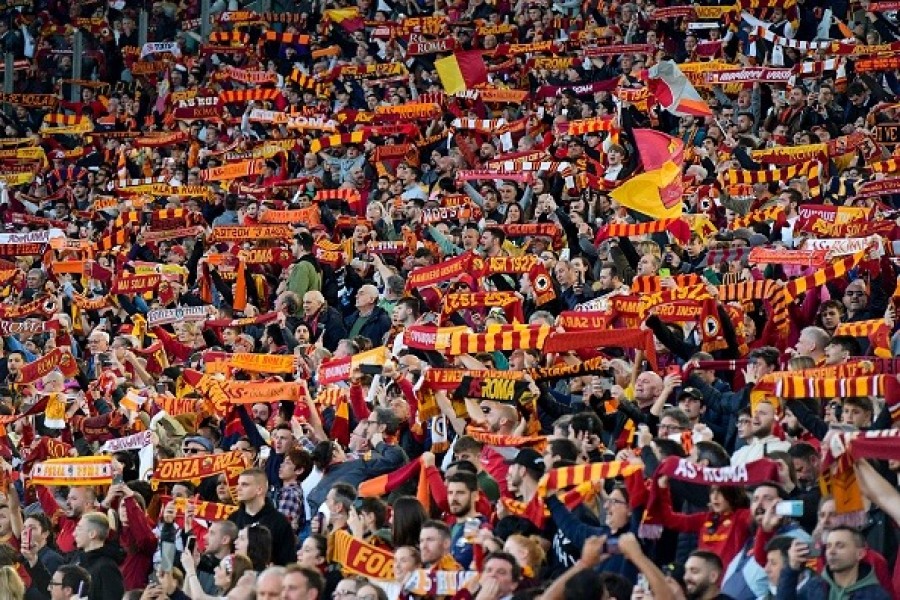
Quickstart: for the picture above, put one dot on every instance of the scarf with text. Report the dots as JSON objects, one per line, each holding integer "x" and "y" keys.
{"x": 638, "y": 339}
{"x": 73, "y": 471}
{"x": 357, "y": 557}
{"x": 508, "y": 301}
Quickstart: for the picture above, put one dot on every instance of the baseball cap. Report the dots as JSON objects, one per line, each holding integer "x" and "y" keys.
{"x": 692, "y": 392}
{"x": 530, "y": 459}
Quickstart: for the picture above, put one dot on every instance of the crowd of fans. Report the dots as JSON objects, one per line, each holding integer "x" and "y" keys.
{"x": 285, "y": 315}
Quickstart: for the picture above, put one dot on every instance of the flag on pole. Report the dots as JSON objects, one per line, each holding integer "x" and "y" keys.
{"x": 461, "y": 71}
{"x": 674, "y": 92}
{"x": 658, "y": 190}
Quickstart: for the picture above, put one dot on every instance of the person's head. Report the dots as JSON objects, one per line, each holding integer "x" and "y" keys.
{"x": 462, "y": 491}
{"x": 744, "y": 424}
{"x": 313, "y": 551}
{"x": 11, "y": 583}
{"x": 434, "y": 541}
{"x": 68, "y": 581}
{"x": 373, "y": 512}
{"x": 504, "y": 569}
{"x": 528, "y": 465}
{"x": 765, "y": 496}
{"x": 282, "y": 438}
{"x": 252, "y": 486}
{"x": 763, "y": 420}
{"x": 764, "y": 360}
{"x": 727, "y": 499}
{"x": 230, "y": 570}
{"x": 840, "y": 348}
{"x": 406, "y": 560}
{"x": 302, "y": 583}
{"x": 777, "y": 557}
{"x": 220, "y": 537}
{"x": 690, "y": 400}
{"x": 40, "y": 530}
{"x": 648, "y": 265}
{"x": 369, "y": 591}
{"x": 702, "y": 571}
{"x": 91, "y": 531}
{"x": 856, "y": 296}
{"x": 560, "y": 452}
{"x": 806, "y": 464}
{"x": 312, "y": 302}
{"x": 812, "y": 342}
{"x": 255, "y": 542}
{"x": 844, "y": 549}
{"x": 831, "y": 313}
{"x": 268, "y": 584}
{"x": 500, "y": 417}
{"x": 407, "y": 517}
{"x": 618, "y": 509}
{"x": 340, "y": 498}
{"x": 647, "y": 387}
{"x": 296, "y": 465}
{"x": 858, "y": 411}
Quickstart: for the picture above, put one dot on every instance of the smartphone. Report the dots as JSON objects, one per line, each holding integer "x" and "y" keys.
{"x": 611, "y": 546}
{"x": 789, "y": 508}
{"x": 117, "y": 479}
{"x": 814, "y": 552}
{"x": 371, "y": 369}
{"x": 191, "y": 544}
{"x": 161, "y": 387}
{"x": 26, "y": 538}
{"x": 154, "y": 579}
{"x": 665, "y": 272}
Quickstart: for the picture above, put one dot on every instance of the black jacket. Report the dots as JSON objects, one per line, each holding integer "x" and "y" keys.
{"x": 284, "y": 542}
{"x": 330, "y": 322}
{"x": 376, "y": 325}
{"x": 103, "y": 566}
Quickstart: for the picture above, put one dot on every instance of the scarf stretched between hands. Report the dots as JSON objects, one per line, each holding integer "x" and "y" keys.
{"x": 800, "y": 285}
{"x": 357, "y": 557}
{"x": 508, "y": 301}
{"x": 73, "y": 471}
{"x": 876, "y": 330}
{"x": 651, "y": 284}
{"x": 679, "y": 228}
{"x": 769, "y": 213}
{"x": 809, "y": 169}
{"x": 639, "y": 339}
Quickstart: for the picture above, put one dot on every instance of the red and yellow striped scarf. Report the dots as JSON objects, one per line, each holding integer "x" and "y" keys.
{"x": 800, "y": 285}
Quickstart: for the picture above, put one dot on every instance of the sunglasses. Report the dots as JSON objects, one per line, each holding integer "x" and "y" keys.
{"x": 193, "y": 450}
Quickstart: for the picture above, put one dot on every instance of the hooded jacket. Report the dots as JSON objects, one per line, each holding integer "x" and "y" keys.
{"x": 866, "y": 586}
{"x": 103, "y": 565}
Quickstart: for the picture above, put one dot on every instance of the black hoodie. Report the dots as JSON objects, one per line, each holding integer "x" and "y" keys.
{"x": 103, "y": 566}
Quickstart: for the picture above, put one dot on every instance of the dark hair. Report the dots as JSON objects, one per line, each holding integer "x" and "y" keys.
{"x": 497, "y": 233}
{"x": 438, "y": 525}
{"x": 321, "y": 543}
{"x": 375, "y": 507}
{"x": 322, "y": 455}
{"x": 259, "y": 546}
{"x": 470, "y": 480}
{"x": 714, "y": 454}
{"x": 769, "y": 354}
{"x": 588, "y": 422}
{"x": 616, "y": 586}
{"x": 386, "y": 417}
{"x": 409, "y": 515}
{"x": 735, "y": 496}
{"x": 803, "y": 451}
{"x": 305, "y": 241}
{"x": 711, "y": 558}
{"x": 75, "y": 577}
{"x": 858, "y": 538}
{"x": 314, "y": 579}
{"x": 863, "y": 402}
{"x": 781, "y": 543}
{"x": 669, "y": 447}
{"x": 466, "y": 466}
{"x": 565, "y": 449}
{"x": 848, "y": 343}
{"x": 413, "y": 304}
{"x": 584, "y": 584}
{"x": 516, "y": 568}
{"x": 344, "y": 493}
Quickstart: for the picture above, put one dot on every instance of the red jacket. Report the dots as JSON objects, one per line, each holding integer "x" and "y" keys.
{"x": 139, "y": 543}
{"x": 65, "y": 526}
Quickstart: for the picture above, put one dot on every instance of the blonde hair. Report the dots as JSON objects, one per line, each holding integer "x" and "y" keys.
{"x": 799, "y": 363}
{"x": 12, "y": 583}
{"x": 533, "y": 549}
{"x": 648, "y": 247}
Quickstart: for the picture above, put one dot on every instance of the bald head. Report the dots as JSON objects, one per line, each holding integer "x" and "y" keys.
{"x": 647, "y": 387}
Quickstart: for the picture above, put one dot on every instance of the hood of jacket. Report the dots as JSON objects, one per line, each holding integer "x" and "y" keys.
{"x": 865, "y": 579}
{"x": 113, "y": 552}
